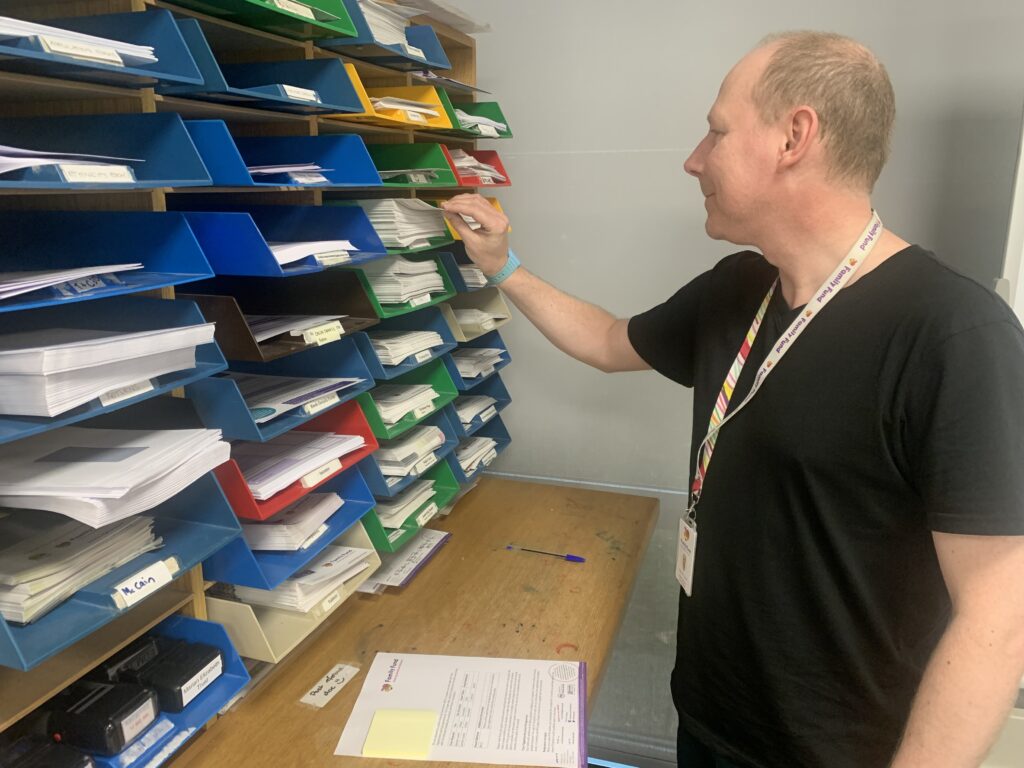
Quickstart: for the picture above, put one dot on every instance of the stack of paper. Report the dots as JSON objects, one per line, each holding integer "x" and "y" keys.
{"x": 476, "y": 361}
{"x": 468, "y": 407}
{"x": 273, "y": 170}
{"x": 99, "y": 476}
{"x": 476, "y": 321}
{"x": 394, "y": 512}
{"x": 48, "y": 371}
{"x": 405, "y": 105}
{"x": 325, "y": 252}
{"x": 78, "y": 45}
{"x": 398, "y": 568}
{"x": 399, "y": 458}
{"x": 426, "y": 74}
{"x": 73, "y": 165}
{"x": 387, "y": 22}
{"x": 467, "y": 165}
{"x": 317, "y": 581}
{"x": 396, "y": 401}
{"x": 268, "y": 397}
{"x": 396, "y": 280}
{"x": 47, "y": 558}
{"x": 475, "y": 451}
{"x": 265, "y": 327}
{"x": 16, "y": 283}
{"x": 416, "y": 175}
{"x": 272, "y": 466}
{"x": 472, "y": 275}
{"x": 404, "y": 223}
{"x": 392, "y": 347}
{"x": 482, "y": 125}
{"x": 297, "y": 527}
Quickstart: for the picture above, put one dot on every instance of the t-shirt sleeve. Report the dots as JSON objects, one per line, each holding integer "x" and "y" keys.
{"x": 965, "y": 431}
{"x": 665, "y": 335}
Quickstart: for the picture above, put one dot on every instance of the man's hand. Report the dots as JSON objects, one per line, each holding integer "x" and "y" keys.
{"x": 487, "y": 246}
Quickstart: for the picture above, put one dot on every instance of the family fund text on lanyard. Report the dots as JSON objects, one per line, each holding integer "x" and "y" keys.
{"x": 720, "y": 416}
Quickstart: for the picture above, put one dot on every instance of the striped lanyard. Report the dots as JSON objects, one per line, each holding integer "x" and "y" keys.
{"x": 719, "y": 415}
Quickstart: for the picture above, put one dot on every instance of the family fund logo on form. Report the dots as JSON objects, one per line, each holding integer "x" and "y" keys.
{"x": 392, "y": 676}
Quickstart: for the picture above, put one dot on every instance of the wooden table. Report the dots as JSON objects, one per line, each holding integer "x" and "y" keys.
{"x": 474, "y": 598}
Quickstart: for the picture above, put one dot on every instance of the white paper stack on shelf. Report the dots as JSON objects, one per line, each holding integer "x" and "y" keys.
{"x": 468, "y": 407}
{"x": 99, "y": 476}
{"x": 476, "y": 361}
{"x": 397, "y": 568}
{"x": 472, "y": 452}
{"x": 394, "y": 512}
{"x": 400, "y": 457}
{"x": 273, "y": 170}
{"x": 78, "y": 45}
{"x": 265, "y": 327}
{"x": 482, "y": 125}
{"x": 396, "y": 280}
{"x": 48, "y": 371}
{"x": 408, "y": 106}
{"x": 467, "y": 165}
{"x": 402, "y": 223}
{"x": 426, "y": 74}
{"x": 395, "y": 401}
{"x": 317, "y": 581}
{"x": 476, "y": 321}
{"x": 326, "y": 252}
{"x": 472, "y": 275}
{"x": 272, "y": 466}
{"x": 388, "y": 21}
{"x": 74, "y": 165}
{"x": 47, "y": 558}
{"x": 16, "y": 283}
{"x": 392, "y": 347}
{"x": 268, "y": 397}
{"x": 297, "y": 527}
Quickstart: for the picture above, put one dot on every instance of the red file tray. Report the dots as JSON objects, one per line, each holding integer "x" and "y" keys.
{"x": 488, "y": 156}
{"x": 346, "y": 419}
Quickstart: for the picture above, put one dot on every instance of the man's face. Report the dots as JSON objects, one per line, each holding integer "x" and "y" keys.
{"x": 735, "y": 162}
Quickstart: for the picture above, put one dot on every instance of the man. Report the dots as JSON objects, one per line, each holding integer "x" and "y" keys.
{"x": 857, "y": 587}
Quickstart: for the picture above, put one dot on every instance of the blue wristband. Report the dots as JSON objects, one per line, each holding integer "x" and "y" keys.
{"x": 510, "y": 266}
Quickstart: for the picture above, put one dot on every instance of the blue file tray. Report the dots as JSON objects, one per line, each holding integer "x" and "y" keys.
{"x": 343, "y": 156}
{"x": 428, "y": 319}
{"x": 451, "y": 262}
{"x": 495, "y": 429}
{"x": 260, "y": 85}
{"x": 127, "y": 314}
{"x": 194, "y": 524}
{"x": 238, "y": 564}
{"x": 220, "y": 404}
{"x": 160, "y": 140}
{"x": 217, "y": 149}
{"x": 152, "y": 27}
{"x": 491, "y": 340}
{"x": 172, "y": 729}
{"x": 493, "y": 387}
{"x": 376, "y": 479}
{"x": 365, "y": 46}
{"x": 37, "y": 240}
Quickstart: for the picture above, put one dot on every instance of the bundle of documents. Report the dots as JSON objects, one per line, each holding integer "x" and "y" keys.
{"x": 468, "y": 407}
{"x": 326, "y": 252}
{"x": 426, "y": 74}
{"x": 49, "y": 371}
{"x": 75, "y": 166}
{"x": 99, "y": 476}
{"x": 397, "y": 568}
{"x": 317, "y": 581}
{"x": 416, "y": 175}
{"x": 471, "y": 453}
{"x": 392, "y": 347}
{"x": 467, "y": 165}
{"x": 396, "y": 280}
{"x": 49, "y": 558}
{"x": 476, "y": 321}
{"x": 396, "y": 401}
{"x": 272, "y": 466}
{"x": 472, "y": 275}
{"x": 273, "y": 170}
{"x": 17, "y": 283}
{"x": 265, "y": 327}
{"x": 400, "y": 457}
{"x": 268, "y": 397}
{"x": 387, "y": 22}
{"x": 78, "y": 45}
{"x": 297, "y": 527}
{"x": 404, "y": 223}
{"x": 405, "y": 105}
{"x": 476, "y": 361}
{"x": 394, "y": 512}
{"x": 482, "y": 125}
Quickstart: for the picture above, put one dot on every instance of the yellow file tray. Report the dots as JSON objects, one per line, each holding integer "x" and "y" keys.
{"x": 396, "y": 117}
{"x": 494, "y": 204}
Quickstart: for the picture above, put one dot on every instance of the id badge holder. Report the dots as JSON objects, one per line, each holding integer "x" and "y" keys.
{"x": 686, "y": 554}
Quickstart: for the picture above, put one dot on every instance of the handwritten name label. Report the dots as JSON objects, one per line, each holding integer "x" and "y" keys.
{"x": 415, "y": 117}
{"x": 396, "y": 534}
{"x": 424, "y": 464}
{"x": 423, "y": 410}
{"x": 313, "y": 537}
{"x": 321, "y": 403}
{"x": 123, "y": 393}
{"x": 329, "y": 685}
{"x": 83, "y": 173}
{"x": 144, "y": 583}
{"x": 491, "y": 455}
{"x": 422, "y": 357}
{"x": 138, "y": 720}
{"x": 323, "y": 334}
{"x": 77, "y": 49}
{"x": 307, "y": 177}
{"x": 314, "y": 477}
{"x": 425, "y": 516}
{"x": 487, "y": 324}
{"x": 420, "y": 300}
{"x": 297, "y": 8}
{"x": 331, "y": 602}
{"x": 330, "y": 259}
{"x": 489, "y": 414}
{"x": 301, "y": 94}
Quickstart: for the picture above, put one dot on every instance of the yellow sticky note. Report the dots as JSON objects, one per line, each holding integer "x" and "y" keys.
{"x": 405, "y": 734}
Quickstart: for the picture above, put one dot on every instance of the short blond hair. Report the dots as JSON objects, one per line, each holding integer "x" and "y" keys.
{"x": 846, "y": 85}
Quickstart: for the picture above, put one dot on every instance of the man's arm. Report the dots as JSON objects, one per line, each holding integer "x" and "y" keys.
{"x": 578, "y": 328}
{"x": 971, "y": 680}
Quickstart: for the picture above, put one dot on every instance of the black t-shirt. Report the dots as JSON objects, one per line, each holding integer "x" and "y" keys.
{"x": 818, "y": 597}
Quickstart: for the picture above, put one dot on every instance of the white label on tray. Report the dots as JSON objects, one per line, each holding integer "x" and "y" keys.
{"x": 486, "y": 180}
{"x": 423, "y": 410}
{"x": 418, "y": 178}
{"x": 422, "y": 357}
{"x": 320, "y": 403}
{"x": 424, "y": 464}
{"x": 329, "y": 685}
{"x": 395, "y": 534}
{"x": 138, "y": 720}
{"x": 332, "y": 601}
{"x": 313, "y": 537}
{"x": 308, "y": 177}
{"x": 297, "y": 8}
{"x": 86, "y": 284}
{"x": 330, "y": 259}
{"x": 300, "y": 94}
{"x": 425, "y": 516}
{"x": 489, "y": 131}
{"x": 198, "y": 684}
{"x": 144, "y": 583}
{"x": 118, "y": 394}
{"x": 77, "y": 173}
{"x": 147, "y": 741}
{"x": 77, "y": 49}
{"x": 392, "y": 481}
{"x": 491, "y": 455}
{"x": 415, "y": 117}
{"x": 489, "y": 414}
{"x": 487, "y": 324}
{"x": 323, "y": 334}
{"x": 413, "y": 50}
{"x": 314, "y": 477}
{"x": 420, "y": 300}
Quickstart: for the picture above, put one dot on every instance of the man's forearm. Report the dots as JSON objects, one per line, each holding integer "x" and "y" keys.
{"x": 967, "y": 691}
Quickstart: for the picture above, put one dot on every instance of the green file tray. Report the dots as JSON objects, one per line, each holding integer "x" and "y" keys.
{"x": 385, "y": 311}
{"x": 489, "y": 109}
{"x": 434, "y": 374}
{"x": 298, "y": 19}
{"x": 388, "y": 157}
{"x": 446, "y": 488}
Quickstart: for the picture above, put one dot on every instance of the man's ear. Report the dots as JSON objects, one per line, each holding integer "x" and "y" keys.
{"x": 801, "y": 133}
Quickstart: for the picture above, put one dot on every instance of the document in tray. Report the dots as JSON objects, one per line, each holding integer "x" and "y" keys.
{"x": 78, "y": 45}
{"x": 468, "y": 407}
{"x": 273, "y": 170}
{"x": 477, "y": 320}
{"x": 483, "y": 125}
{"x": 401, "y": 289}
{"x": 475, "y": 451}
{"x": 296, "y": 456}
{"x": 315, "y": 583}
{"x": 416, "y": 175}
{"x": 396, "y": 401}
{"x": 264, "y": 327}
{"x": 476, "y": 361}
{"x": 483, "y": 710}
{"x": 473, "y": 276}
{"x": 73, "y": 166}
{"x": 16, "y": 283}
{"x": 398, "y": 568}
{"x": 268, "y": 397}
{"x": 468, "y": 165}
{"x": 394, "y": 512}
{"x": 387, "y": 21}
{"x": 402, "y": 456}
{"x": 325, "y": 252}
{"x": 394, "y": 347}
{"x": 297, "y": 527}
{"x": 404, "y": 223}
{"x": 426, "y": 74}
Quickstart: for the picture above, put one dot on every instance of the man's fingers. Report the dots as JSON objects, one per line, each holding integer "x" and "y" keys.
{"x": 459, "y": 224}
{"x": 480, "y": 211}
